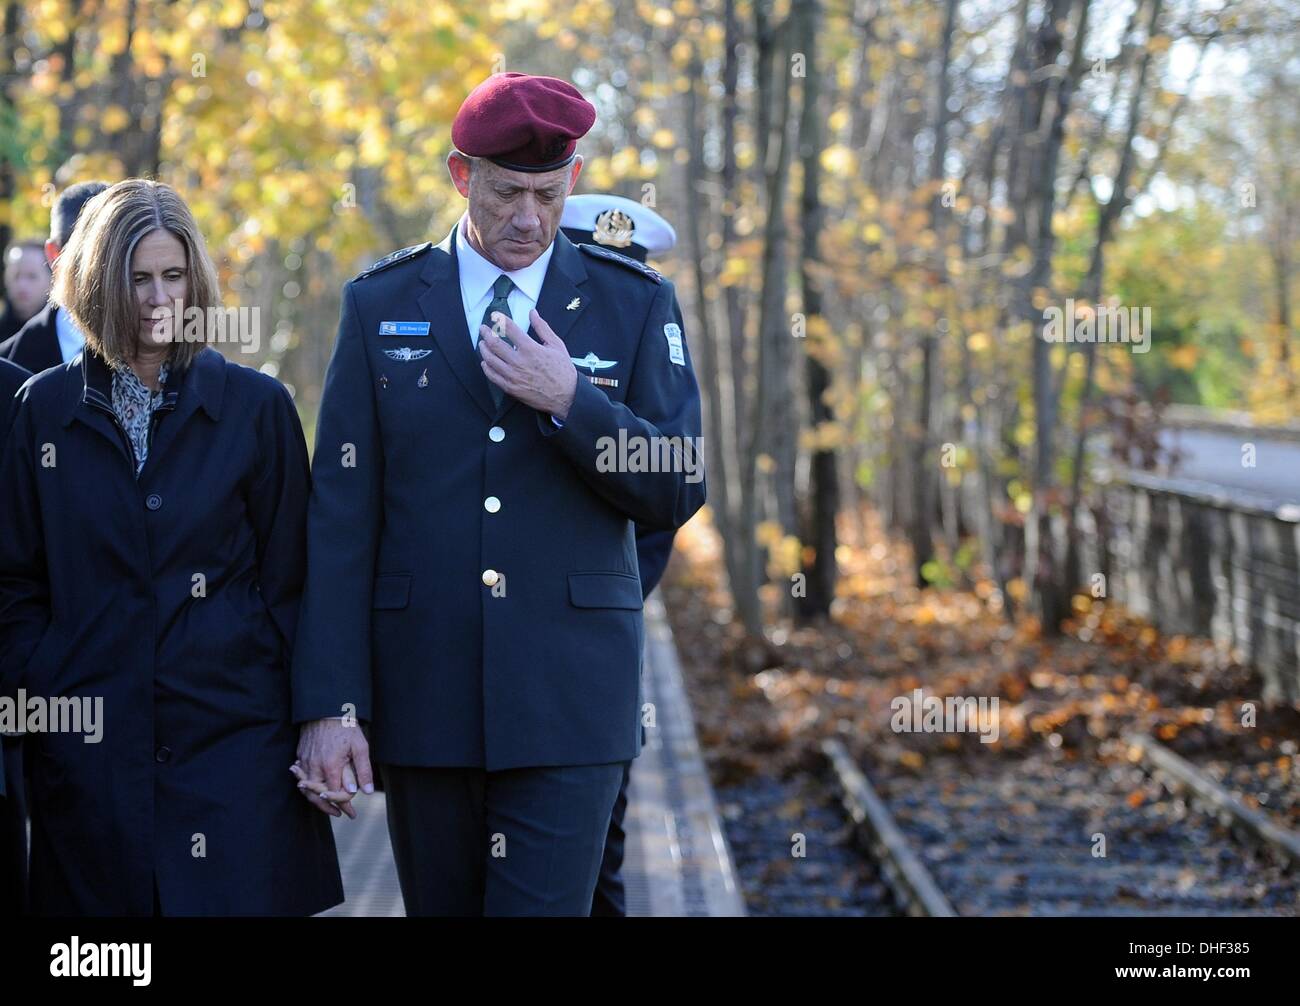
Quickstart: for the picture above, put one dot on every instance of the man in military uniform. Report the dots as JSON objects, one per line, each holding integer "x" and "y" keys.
{"x": 472, "y": 591}
{"x": 637, "y": 231}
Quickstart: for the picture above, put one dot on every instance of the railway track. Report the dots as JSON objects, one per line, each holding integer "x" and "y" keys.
{"x": 794, "y": 852}
{"x": 1140, "y": 832}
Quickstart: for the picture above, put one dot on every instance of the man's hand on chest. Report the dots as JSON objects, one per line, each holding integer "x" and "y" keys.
{"x": 539, "y": 374}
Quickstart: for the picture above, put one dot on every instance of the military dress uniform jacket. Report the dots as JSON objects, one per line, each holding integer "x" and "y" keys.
{"x": 472, "y": 586}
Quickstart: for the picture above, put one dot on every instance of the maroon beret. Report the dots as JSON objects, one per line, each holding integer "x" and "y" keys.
{"x": 523, "y": 122}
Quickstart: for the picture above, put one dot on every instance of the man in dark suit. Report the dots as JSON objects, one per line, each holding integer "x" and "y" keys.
{"x": 13, "y": 805}
{"x": 472, "y": 586}
{"x": 50, "y": 338}
{"x": 637, "y": 231}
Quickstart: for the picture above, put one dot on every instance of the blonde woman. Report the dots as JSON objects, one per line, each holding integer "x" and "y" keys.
{"x": 151, "y": 561}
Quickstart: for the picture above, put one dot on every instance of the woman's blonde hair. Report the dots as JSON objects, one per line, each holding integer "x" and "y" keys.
{"x": 92, "y": 275}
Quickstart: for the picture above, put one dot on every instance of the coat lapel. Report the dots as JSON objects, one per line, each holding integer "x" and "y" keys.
{"x": 90, "y": 401}
{"x": 201, "y": 385}
{"x": 441, "y": 306}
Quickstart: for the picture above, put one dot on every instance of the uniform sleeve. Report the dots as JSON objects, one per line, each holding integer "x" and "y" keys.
{"x": 24, "y": 581}
{"x": 653, "y": 549}
{"x": 661, "y": 416}
{"x": 278, "y": 507}
{"x": 331, "y": 660}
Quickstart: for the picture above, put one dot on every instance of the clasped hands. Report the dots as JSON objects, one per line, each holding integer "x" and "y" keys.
{"x": 333, "y": 765}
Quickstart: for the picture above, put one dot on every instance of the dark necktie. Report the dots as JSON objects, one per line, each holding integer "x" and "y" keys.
{"x": 500, "y": 292}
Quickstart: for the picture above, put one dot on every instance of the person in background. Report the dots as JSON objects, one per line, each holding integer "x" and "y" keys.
{"x": 51, "y": 337}
{"x": 27, "y": 283}
{"x": 629, "y": 228}
{"x": 13, "y": 805}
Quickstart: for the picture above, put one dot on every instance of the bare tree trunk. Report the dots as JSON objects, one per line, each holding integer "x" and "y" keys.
{"x": 1051, "y": 600}
{"x": 924, "y": 465}
{"x": 773, "y": 417}
{"x": 1281, "y": 240}
{"x": 736, "y": 540}
{"x": 823, "y": 489}
{"x": 1108, "y": 215}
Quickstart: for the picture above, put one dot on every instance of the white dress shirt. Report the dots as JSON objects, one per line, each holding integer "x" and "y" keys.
{"x": 71, "y": 341}
{"x": 477, "y": 275}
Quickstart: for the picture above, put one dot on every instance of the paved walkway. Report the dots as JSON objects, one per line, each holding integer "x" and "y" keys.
{"x": 677, "y": 861}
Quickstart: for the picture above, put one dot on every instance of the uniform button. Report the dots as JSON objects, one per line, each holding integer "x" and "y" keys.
{"x": 162, "y": 754}
{"x": 153, "y": 501}
{"x": 490, "y": 577}
{"x": 496, "y": 434}
{"x": 491, "y": 504}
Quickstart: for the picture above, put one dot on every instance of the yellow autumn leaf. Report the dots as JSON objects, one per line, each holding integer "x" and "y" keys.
{"x": 839, "y": 160}
{"x": 1185, "y": 357}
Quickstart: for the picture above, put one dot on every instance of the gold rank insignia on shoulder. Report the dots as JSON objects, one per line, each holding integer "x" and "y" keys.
{"x": 613, "y": 228}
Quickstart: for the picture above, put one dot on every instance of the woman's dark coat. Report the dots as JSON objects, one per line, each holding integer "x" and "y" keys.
{"x": 174, "y": 598}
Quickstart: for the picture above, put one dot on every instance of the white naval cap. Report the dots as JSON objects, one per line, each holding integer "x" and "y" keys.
{"x": 617, "y": 222}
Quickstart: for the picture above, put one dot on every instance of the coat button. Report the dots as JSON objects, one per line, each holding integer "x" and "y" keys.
{"x": 491, "y": 504}
{"x": 490, "y": 577}
{"x": 153, "y": 501}
{"x": 496, "y": 434}
{"x": 162, "y": 754}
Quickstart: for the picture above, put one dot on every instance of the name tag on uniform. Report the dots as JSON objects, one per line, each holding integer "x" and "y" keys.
{"x": 404, "y": 328}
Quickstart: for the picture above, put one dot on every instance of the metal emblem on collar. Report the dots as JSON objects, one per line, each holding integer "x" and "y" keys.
{"x": 406, "y": 354}
{"x": 574, "y": 304}
{"x": 613, "y": 228}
